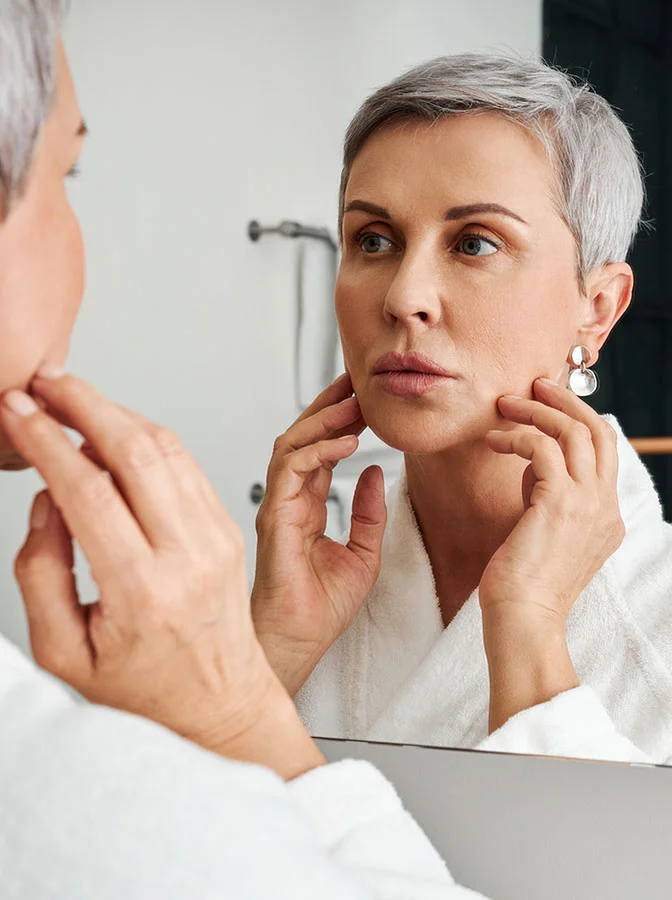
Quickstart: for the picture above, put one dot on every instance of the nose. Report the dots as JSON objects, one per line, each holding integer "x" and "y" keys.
{"x": 414, "y": 297}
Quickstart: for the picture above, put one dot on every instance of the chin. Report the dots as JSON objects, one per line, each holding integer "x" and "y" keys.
{"x": 418, "y": 431}
{"x": 411, "y": 435}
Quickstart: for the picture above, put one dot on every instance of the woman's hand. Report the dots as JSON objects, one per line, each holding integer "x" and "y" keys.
{"x": 171, "y": 637}
{"x": 308, "y": 587}
{"x": 571, "y": 526}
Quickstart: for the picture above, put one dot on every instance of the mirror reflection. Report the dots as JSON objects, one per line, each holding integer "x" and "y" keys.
{"x": 371, "y": 272}
{"x": 488, "y": 205}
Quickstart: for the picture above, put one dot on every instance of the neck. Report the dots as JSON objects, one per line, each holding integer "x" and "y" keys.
{"x": 466, "y": 501}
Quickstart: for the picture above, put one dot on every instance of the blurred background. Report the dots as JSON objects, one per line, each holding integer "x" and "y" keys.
{"x": 207, "y": 116}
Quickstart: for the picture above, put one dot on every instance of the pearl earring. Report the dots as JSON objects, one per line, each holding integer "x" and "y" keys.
{"x": 581, "y": 380}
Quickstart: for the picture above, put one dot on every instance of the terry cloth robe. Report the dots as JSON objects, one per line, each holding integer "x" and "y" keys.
{"x": 100, "y": 804}
{"x": 398, "y": 675}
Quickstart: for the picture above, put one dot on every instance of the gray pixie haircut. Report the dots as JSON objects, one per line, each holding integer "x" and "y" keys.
{"x": 28, "y": 35}
{"x": 600, "y": 187}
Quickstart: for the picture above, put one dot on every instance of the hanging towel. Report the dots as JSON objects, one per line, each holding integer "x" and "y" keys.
{"x": 317, "y": 329}
{"x": 398, "y": 675}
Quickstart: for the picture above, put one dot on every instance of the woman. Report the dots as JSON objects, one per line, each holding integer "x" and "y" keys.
{"x": 97, "y": 803}
{"x": 487, "y": 208}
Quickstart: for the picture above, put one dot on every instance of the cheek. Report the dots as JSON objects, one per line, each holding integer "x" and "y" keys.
{"x": 70, "y": 270}
{"x": 531, "y": 324}
{"x": 41, "y": 286}
{"x": 358, "y": 312}
{"x": 347, "y": 316}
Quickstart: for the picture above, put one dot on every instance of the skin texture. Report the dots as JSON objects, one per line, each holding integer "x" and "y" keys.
{"x": 171, "y": 635}
{"x": 500, "y": 487}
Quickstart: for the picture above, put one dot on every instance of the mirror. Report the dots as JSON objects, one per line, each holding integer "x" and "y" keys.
{"x": 209, "y": 204}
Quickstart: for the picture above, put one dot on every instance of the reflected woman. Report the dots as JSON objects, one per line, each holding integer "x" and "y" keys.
{"x": 487, "y": 208}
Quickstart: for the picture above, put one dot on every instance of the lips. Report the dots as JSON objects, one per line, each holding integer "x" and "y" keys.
{"x": 409, "y": 374}
{"x": 409, "y": 362}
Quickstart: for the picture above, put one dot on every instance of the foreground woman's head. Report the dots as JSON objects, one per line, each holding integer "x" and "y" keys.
{"x": 487, "y": 209}
{"x": 41, "y": 253}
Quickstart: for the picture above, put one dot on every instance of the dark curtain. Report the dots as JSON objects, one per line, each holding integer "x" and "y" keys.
{"x": 624, "y": 49}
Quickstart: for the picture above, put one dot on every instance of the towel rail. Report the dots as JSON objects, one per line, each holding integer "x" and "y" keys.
{"x": 655, "y": 446}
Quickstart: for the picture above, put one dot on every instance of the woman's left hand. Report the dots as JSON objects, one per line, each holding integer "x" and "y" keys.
{"x": 571, "y": 525}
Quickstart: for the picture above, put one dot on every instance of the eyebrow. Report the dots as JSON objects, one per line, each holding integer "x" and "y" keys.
{"x": 475, "y": 209}
{"x": 453, "y": 214}
{"x": 364, "y": 206}
{"x": 83, "y": 129}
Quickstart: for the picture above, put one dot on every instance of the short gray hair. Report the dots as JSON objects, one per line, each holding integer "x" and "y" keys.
{"x": 600, "y": 179}
{"x": 28, "y": 35}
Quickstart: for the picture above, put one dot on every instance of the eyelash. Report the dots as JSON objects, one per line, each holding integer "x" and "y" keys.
{"x": 482, "y": 237}
{"x": 359, "y": 238}
{"x": 74, "y": 172}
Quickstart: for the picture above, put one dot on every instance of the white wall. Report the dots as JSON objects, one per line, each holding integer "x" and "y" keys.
{"x": 204, "y": 115}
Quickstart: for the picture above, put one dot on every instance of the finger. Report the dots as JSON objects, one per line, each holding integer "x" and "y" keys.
{"x": 545, "y": 455}
{"x": 369, "y": 516}
{"x": 189, "y": 476}
{"x": 604, "y": 436}
{"x": 575, "y": 438}
{"x": 93, "y": 510}
{"x": 300, "y": 464}
{"x": 56, "y": 621}
{"x": 130, "y": 454}
{"x": 338, "y": 390}
{"x": 333, "y": 421}
{"x": 191, "y": 479}
{"x": 318, "y": 484}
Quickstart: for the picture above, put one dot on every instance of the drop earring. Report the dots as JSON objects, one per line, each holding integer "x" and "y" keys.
{"x": 581, "y": 380}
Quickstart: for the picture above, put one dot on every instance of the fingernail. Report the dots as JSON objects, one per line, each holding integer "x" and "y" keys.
{"x": 49, "y": 372}
{"x": 20, "y": 404}
{"x": 510, "y": 397}
{"x": 547, "y": 381}
{"x": 39, "y": 514}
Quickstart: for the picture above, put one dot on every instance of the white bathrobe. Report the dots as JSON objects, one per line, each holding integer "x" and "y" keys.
{"x": 398, "y": 675}
{"x": 98, "y": 804}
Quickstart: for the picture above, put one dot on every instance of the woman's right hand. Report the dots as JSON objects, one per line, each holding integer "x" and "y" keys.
{"x": 308, "y": 587}
{"x": 171, "y": 636}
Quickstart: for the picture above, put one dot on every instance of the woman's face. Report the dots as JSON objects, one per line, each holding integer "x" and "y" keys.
{"x": 453, "y": 249}
{"x": 42, "y": 256}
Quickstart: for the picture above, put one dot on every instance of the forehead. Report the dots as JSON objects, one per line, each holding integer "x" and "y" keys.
{"x": 456, "y": 160}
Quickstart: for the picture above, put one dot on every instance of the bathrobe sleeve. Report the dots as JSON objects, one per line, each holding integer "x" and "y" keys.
{"x": 573, "y": 724}
{"x": 98, "y": 803}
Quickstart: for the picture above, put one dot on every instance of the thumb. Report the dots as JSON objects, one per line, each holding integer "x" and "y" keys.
{"x": 58, "y": 625}
{"x": 369, "y": 516}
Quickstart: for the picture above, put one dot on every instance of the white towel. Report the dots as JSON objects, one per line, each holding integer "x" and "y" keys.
{"x": 398, "y": 675}
{"x": 318, "y": 345}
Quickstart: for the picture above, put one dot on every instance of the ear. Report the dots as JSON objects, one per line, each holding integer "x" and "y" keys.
{"x": 609, "y": 292}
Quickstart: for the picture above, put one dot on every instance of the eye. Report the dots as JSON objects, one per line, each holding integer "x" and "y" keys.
{"x": 477, "y": 245}
{"x": 373, "y": 243}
